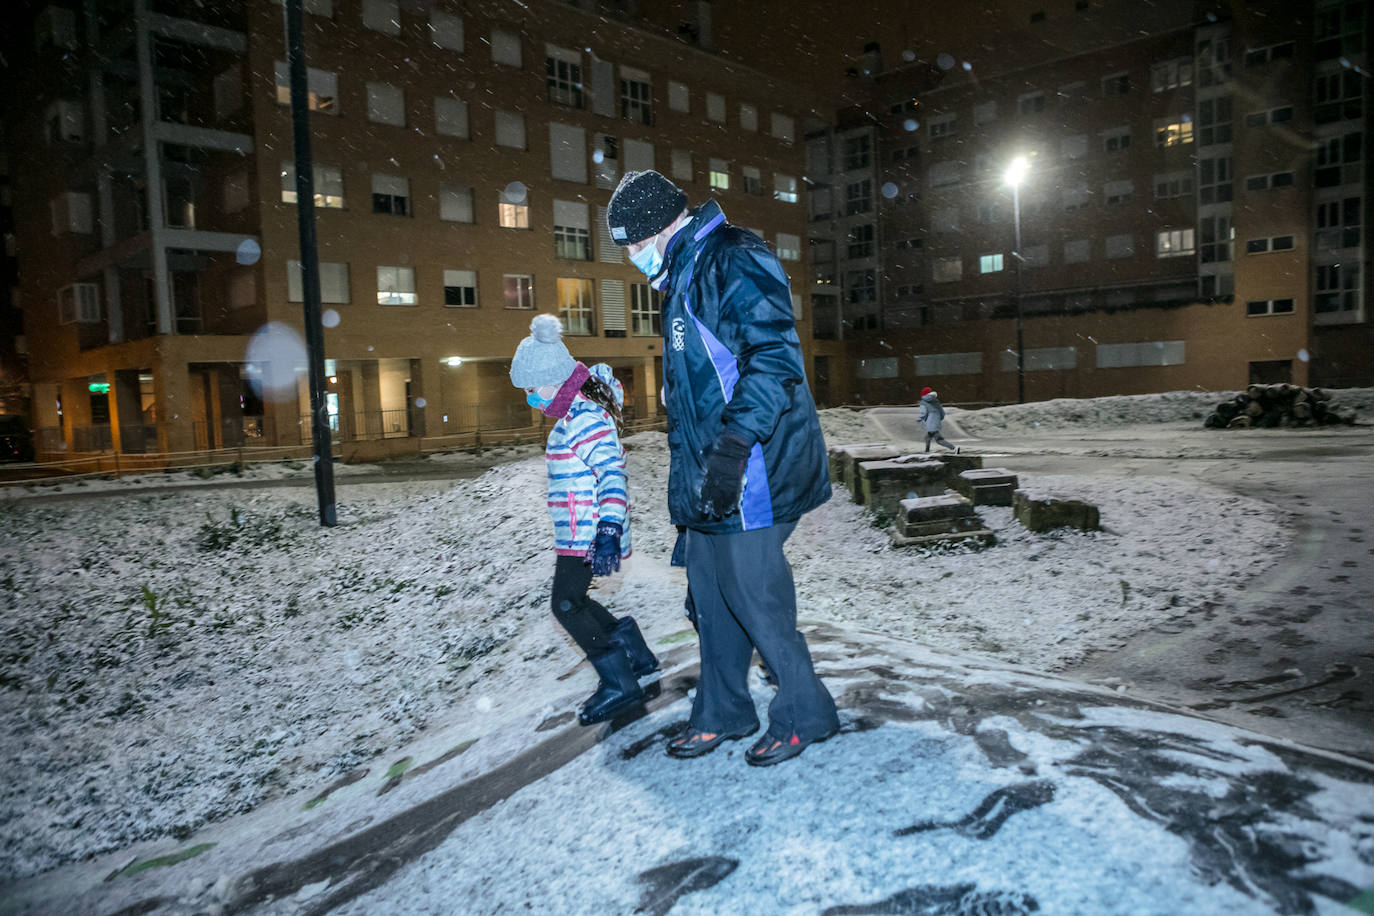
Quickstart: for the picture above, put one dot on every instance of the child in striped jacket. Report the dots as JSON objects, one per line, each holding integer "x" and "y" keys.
{"x": 588, "y": 500}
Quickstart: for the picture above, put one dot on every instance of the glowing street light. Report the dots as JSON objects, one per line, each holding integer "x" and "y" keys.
{"x": 1015, "y": 174}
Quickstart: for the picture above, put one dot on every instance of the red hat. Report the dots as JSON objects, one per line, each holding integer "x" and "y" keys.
{"x": 925, "y": 391}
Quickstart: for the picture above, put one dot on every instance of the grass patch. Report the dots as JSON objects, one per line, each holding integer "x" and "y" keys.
{"x": 134, "y": 868}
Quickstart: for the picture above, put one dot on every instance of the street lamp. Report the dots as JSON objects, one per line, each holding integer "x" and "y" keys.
{"x": 1016, "y": 172}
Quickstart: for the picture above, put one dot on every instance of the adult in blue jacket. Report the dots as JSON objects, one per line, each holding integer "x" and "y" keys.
{"x": 747, "y": 460}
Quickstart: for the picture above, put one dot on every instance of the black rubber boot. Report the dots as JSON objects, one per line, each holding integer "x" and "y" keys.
{"x": 628, "y": 639}
{"x": 618, "y": 690}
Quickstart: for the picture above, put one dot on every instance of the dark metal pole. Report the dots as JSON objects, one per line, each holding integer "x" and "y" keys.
{"x": 310, "y": 265}
{"x": 1020, "y": 340}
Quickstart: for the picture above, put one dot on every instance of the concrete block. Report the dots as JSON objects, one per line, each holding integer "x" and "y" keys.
{"x": 838, "y": 455}
{"x": 884, "y": 484}
{"x": 957, "y": 464}
{"x": 849, "y": 456}
{"x": 976, "y": 538}
{"x": 1040, "y": 512}
{"x": 987, "y": 486}
{"x": 947, "y": 513}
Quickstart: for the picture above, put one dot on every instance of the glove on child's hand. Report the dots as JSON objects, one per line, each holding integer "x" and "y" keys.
{"x": 604, "y": 554}
{"x": 725, "y": 464}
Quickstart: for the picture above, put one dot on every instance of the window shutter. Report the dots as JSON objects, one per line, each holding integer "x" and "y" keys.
{"x": 568, "y": 152}
{"x": 607, "y": 251}
{"x": 570, "y": 213}
{"x": 613, "y": 305}
{"x": 639, "y": 156}
{"x": 603, "y": 88}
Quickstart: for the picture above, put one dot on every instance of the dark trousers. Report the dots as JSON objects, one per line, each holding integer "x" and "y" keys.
{"x": 742, "y": 587}
{"x": 587, "y": 622}
{"x": 937, "y": 438}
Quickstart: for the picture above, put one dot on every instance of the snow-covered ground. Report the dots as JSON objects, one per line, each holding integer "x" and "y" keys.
{"x": 170, "y": 659}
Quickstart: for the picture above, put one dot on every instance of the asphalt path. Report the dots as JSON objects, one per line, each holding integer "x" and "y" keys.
{"x": 1291, "y": 655}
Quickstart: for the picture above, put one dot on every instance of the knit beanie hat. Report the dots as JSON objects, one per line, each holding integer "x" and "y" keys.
{"x": 643, "y": 205}
{"x": 926, "y": 391}
{"x": 541, "y": 359}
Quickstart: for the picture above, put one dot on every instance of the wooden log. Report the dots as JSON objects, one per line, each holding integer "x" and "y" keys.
{"x": 1302, "y": 411}
{"x": 1254, "y": 409}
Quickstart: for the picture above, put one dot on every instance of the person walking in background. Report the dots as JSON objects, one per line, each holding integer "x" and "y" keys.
{"x": 932, "y": 417}
{"x": 747, "y": 460}
{"x": 588, "y": 500}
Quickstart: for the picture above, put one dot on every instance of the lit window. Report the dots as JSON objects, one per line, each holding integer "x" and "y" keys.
{"x": 1173, "y": 131}
{"x": 720, "y": 174}
{"x": 784, "y": 188}
{"x": 396, "y": 286}
{"x": 518, "y": 291}
{"x": 575, "y": 306}
{"x": 1174, "y": 243}
{"x": 328, "y": 185}
{"x": 989, "y": 263}
{"x": 646, "y": 310}
{"x": 789, "y": 247}
{"x": 322, "y": 88}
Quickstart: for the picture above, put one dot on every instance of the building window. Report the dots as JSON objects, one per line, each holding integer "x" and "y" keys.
{"x": 784, "y": 188}
{"x": 1338, "y": 288}
{"x": 1116, "y": 139}
{"x": 861, "y": 286}
{"x": 720, "y": 174}
{"x": 858, "y": 197}
{"x": 942, "y": 126}
{"x": 682, "y": 164}
{"x": 944, "y": 174}
{"x": 322, "y": 88}
{"x": 505, "y": 48}
{"x": 1075, "y": 93}
{"x": 947, "y": 270}
{"x": 1338, "y": 96}
{"x": 1281, "y": 115}
{"x": 1338, "y": 223}
{"x": 646, "y": 310}
{"x": 679, "y": 97}
{"x": 1173, "y": 184}
{"x": 1214, "y": 121}
{"x": 1214, "y": 180}
{"x": 446, "y": 30}
{"x": 513, "y": 209}
{"x": 1269, "y": 307}
{"x": 451, "y": 117}
{"x": 1035, "y": 256}
{"x": 1030, "y": 102}
{"x": 789, "y": 247}
{"x": 1256, "y": 57}
{"x": 858, "y": 152}
{"x": 396, "y": 286}
{"x": 1174, "y": 243}
{"x": 1118, "y": 192}
{"x": 382, "y": 16}
{"x": 1269, "y": 182}
{"x": 1075, "y": 197}
{"x": 1120, "y": 246}
{"x": 1265, "y": 245}
{"x": 518, "y": 291}
{"x": 386, "y": 104}
{"x": 861, "y": 241}
{"x": 572, "y": 236}
{"x": 751, "y": 180}
{"x": 460, "y": 288}
{"x": 1213, "y": 61}
{"x": 563, "y": 70}
{"x": 1171, "y": 74}
{"x": 575, "y": 306}
{"x": 328, "y": 185}
{"x": 391, "y": 194}
{"x": 333, "y": 283}
{"x": 636, "y": 98}
{"x": 1173, "y": 131}
{"x": 568, "y": 153}
{"x": 748, "y": 117}
{"x": 1078, "y": 251}
{"x": 715, "y": 107}
{"x": 782, "y": 127}
{"x": 65, "y": 122}
{"x": 71, "y": 212}
{"x": 1145, "y": 353}
{"x": 944, "y": 219}
{"x": 78, "y": 302}
{"x": 1116, "y": 84}
{"x": 1041, "y": 359}
{"x": 1075, "y": 147}
{"x": 1332, "y": 155}
{"x": 455, "y": 204}
{"x": 1216, "y": 239}
{"x": 510, "y": 129}
{"x": 990, "y": 213}
{"x": 990, "y": 263}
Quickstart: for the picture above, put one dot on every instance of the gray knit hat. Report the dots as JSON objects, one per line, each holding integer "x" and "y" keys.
{"x": 644, "y": 204}
{"x": 541, "y": 359}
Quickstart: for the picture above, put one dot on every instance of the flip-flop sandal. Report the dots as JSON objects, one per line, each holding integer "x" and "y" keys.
{"x": 773, "y": 750}
{"x": 695, "y": 743}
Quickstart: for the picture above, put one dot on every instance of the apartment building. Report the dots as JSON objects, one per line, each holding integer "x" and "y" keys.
{"x": 464, "y": 154}
{"x": 1191, "y": 214}
{"x": 14, "y": 372}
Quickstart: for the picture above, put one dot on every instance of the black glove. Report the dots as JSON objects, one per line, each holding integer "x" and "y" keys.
{"x": 720, "y": 488}
{"x": 604, "y": 554}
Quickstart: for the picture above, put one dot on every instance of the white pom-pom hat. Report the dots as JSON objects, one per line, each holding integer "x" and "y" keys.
{"x": 542, "y": 359}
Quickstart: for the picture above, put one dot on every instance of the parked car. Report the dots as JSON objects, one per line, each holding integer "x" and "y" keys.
{"x": 16, "y": 442}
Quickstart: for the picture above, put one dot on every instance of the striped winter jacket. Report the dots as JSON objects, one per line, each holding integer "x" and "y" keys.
{"x": 586, "y": 467}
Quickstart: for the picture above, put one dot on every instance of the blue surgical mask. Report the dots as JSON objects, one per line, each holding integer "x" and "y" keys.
{"x": 533, "y": 399}
{"x": 649, "y": 261}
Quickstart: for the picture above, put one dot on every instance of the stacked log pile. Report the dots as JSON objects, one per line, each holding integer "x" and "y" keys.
{"x": 1269, "y": 406}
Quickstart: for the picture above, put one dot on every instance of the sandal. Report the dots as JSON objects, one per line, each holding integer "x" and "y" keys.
{"x": 695, "y": 743}
{"x": 771, "y": 750}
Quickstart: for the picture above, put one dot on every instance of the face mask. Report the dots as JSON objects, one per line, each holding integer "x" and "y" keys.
{"x": 533, "y": 399}
{"x": 649, "y": 261}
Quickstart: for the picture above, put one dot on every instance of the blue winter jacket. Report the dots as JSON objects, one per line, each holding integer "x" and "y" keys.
{"x": 732, "y": 362}
{"x": 932, "y": 413}
{"x": 586, "y": 470}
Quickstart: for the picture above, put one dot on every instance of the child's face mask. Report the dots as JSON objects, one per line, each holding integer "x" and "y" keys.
{"x": 536, "y": 400}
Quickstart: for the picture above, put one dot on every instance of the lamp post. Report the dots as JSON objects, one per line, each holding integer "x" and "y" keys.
{"x": 1016, "y": 171}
